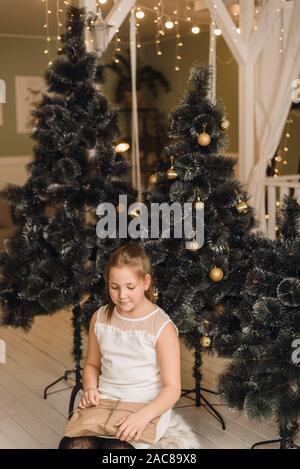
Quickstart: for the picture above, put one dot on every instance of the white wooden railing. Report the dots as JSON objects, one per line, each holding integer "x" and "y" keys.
{"x": 275, "y": 190}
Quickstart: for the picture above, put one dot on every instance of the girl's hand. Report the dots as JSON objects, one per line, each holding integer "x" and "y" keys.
{"x": 132, "y": 426}
{"x": 91, "y": 397}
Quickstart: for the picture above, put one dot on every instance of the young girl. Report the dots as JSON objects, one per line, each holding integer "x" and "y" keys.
{"x": 133, "y": 350}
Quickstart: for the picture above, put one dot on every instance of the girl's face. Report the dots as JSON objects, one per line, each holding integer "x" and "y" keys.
{"x": 126, "y": 289}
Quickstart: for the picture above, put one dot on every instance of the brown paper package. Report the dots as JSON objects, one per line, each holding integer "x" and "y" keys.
{"x": 101, "y": 420}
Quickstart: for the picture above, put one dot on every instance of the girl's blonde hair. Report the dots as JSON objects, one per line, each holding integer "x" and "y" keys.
{"x": 131, "y": 255}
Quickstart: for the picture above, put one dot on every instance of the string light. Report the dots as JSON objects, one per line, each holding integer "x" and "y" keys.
{"x": 187, "y": 11}
{"x": 117, "y": 42}
{"x": 280, "y": 158}
{"x": 159, "y": 9}
{"x": 140, "y": 14}
{"x": 218, "y": 32}
{"x": 46, "y": 29}
{"x": 195, "y": 30}
{"x": 281, "y": 37}
{"x": 169, "y": 24}
{"x": 138, "y": 37}
{"x": 167, "y": 21}
{"x": 59, "y": 24}
{"x": 178, "y": 42}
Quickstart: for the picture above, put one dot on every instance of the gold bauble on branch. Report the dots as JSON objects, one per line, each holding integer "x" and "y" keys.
{"x": 225, "y": 124}
{"x": 204, "y": 138}
{"x": 205, "y": 341}
{"x": 155, "y": 293}
{"x": 192, "y": 246}
{"x": 216, "y": 274}
{"x": 242, "y": 206}
{"x": 198, "y": 204}
{"x": 135, "y": 211}
{"x": 171, "y": 173}
{"x": 153, "y": 179}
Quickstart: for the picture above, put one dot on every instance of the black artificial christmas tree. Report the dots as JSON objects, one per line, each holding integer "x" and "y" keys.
{"x": 196, "y": 283}
{"x": 264, "y": 376}
{"x": 53, "y": 259}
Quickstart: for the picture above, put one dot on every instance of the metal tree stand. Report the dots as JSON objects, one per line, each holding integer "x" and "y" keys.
{"x": 199, "y": 398}
{"x": 77, "y": 353}
{"x": 286, "y": 442}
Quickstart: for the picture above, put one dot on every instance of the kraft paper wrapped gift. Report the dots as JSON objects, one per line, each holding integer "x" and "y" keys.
{"x": 101, "y": 420}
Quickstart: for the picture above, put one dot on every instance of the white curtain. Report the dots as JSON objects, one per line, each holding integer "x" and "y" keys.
{"x": 275, "y": 73}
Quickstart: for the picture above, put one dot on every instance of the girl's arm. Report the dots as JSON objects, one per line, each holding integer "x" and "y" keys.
{"x": 92, "y": 366}
{"x": 168, "y": 354}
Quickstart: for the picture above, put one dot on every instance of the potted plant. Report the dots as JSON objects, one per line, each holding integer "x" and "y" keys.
{"x": 146, "y": 76}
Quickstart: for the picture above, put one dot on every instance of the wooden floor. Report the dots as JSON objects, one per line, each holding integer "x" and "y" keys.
{"x": 36, "y": 359}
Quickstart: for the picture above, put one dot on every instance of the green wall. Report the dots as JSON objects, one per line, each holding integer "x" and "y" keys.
{"x": 18, "y": 56}
{"x": 22, "y": 56}
{"x": 195, "y": 49}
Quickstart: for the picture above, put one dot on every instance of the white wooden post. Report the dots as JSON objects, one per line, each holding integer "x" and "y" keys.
{"x": 246, "y": 48}
{"x": 115, "y": 18}
{"x": 246, "y": 121}
{"x": 246, "y": 95}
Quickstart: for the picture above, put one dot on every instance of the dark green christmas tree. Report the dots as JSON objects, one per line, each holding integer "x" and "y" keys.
{"x": 263, "y": 379}
{"x": 198, "y": 284}
{"x": 55, "y": 256}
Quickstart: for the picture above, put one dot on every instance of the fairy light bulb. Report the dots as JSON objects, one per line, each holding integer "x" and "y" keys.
{"x": 102, "y": 2}
{"x": 169, "y": 24}
{"x": 218, "y": 32}
{"x": 140, "y": 14}
{"x": 195, "y": 30}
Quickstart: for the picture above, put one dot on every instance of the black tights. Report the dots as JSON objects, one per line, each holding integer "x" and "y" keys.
{"x": 93, "y": 442}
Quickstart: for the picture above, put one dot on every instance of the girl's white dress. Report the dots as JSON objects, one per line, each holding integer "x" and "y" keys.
{"x": 129, "y": 365}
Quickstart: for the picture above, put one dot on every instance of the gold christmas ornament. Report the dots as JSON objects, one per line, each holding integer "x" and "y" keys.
{"x": 204, "y": 138}
{"x": 242, "y": 206}
{"x": 225, "y": 124}
{"x": 198, "y": 204}
{"x": 216, "y": 274}
{"x": 192, "y": 246}
{"x": 171, "y": 173}
{"x": 135, "y": 211}
{"x": 205, "y": 341}
{"x": 153, "y": 179}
